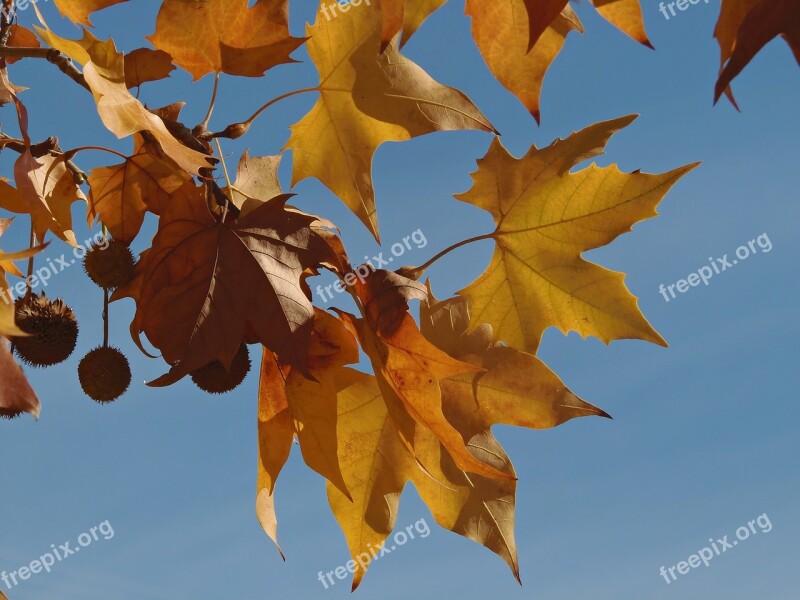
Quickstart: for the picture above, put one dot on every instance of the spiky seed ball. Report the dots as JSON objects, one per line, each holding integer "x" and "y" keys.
{"x": 8, "y": 414}
{"x": 214, "y": 379}
{"x": 111, "y": 266}
{"x": 52, "y": 327}
{"x": 104, "y": 374}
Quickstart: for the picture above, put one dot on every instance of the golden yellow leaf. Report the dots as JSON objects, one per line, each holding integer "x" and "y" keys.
{"x": 225, "y": 36}
{"x": 275, "y": 435}
{"x": 502, "y": 38}
{"x": 546, "y": 218}
{"x": 121, "y": 194}
{"x": 143, "y": 65}
{"x": 409, "y": 368}
{"x": 367, "y": 98}
{"x": 78, "y": 11}
{"x": 625, "y": 15}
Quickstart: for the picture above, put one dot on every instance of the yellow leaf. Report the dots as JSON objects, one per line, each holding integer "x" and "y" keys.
{"x": 546, "y": 218}
{"x": 78, "y": 11}
{"x": 256, "y": 182}
{"x": 409, "y": 370}
{"x": 367, "y": 98}
{"x": 625, "y": 15}
{"x": 275, "y": 434}
{"x": 502, "y": 39}
{"x": 225, "y": 36}
{"x": 121, "y": 194}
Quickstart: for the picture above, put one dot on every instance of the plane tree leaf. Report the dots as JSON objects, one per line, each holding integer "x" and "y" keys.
{"x": 225, "y": 36}
{"x": 546, "y": 217}
{"x": 367, "y": 98}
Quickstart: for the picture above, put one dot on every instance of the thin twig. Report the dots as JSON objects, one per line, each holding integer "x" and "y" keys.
{"x": 59, "y": 59}
{"x": 418, "y": 271}
{"x": 204, "y": 125}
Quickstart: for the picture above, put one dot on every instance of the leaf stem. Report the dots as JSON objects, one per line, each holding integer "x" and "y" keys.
{"x": 418, "y": 271}
{"x": 229, "y": 196}
{"x": 204, "y": 125}
{"x": 236, "y": 130}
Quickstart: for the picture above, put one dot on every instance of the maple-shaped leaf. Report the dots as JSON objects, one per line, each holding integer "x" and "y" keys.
{"x": 16, "y": 394}
{"x": 205, "y": 282}
{"x": 78, "y": 11}
{"x": 408, "y": 369}
{"x": 502, "y": 38}
{"x": 546, "y": 218}
{"x": 225, "y": 36}
{"x": 405, "y": 16}
{"x": 120, "y": 195}
{"x": 516, "y": 389}
{"x": 367, "y": 98}
{"x": 46, "y": 190}
{"x": 144, "y": 64}
{"x": 745, "y": 27}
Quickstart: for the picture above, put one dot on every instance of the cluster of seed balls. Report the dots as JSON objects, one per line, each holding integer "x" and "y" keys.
{"x": 104, "y": 373}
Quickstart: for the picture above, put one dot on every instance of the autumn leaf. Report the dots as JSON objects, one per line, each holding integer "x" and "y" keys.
{"x": 21, "y": 37}
{"x": 121, "y": 194}
{"x": 546, "y": 218}
{"x": 46, "y": 189}
{"x": 143, "y": 65}
{"x": 205, "y": 282}
{"x": 121, "y": 112}
{"x": 409, "y": 369}
{"x": 502, "y": 39}
{"x": 745, "y": 27}
{"x": 276, "y": 432}
{"x": 405, "y": 16}
{"x": 367, "y": 98}
{"x": 256, "y": 182}
{"x": 16, "y": 394}
{"x": 385, "y": 296}
{"x": 225, "y": 36}
{"x": 78, "y": 11}
{"x": 625, "y": 15}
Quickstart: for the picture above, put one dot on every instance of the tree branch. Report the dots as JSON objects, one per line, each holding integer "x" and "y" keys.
{"x": 59, "y": 59}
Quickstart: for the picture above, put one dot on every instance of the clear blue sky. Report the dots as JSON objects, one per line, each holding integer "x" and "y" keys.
{"x": 705, "y": 432}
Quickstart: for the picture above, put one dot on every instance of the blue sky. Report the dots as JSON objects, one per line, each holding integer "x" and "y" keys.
{"x": 704, "y": 436}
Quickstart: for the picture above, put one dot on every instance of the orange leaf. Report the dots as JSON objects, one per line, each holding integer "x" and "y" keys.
{"x": 225, "y": 36}
{"x": 16, "y": 394}
{"x": 78, "y": 11}
{"x": 144, "y": 64}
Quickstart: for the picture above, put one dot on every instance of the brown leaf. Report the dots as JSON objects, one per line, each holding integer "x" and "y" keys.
{"x": 16, "y": 394}
{"x": 21, "y": 37}
{"x": 120, "y": 195}
{"x": 144, "y": 64}
{"x": 745, "y": 27}
{"x": 256, "y": 182}
{"x": 225, "y": 36}
{"x": 205, "y": 282}
{"x": 48, "y": 189}
{"x": 385, "y": 296}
